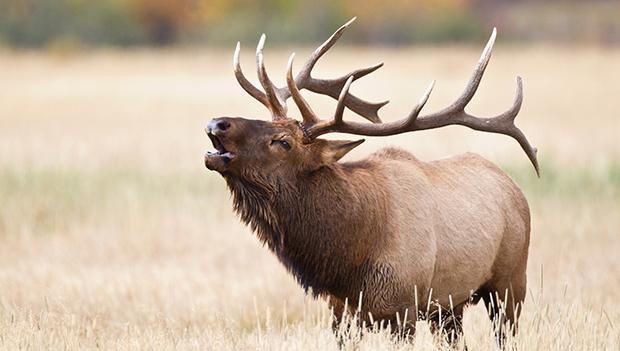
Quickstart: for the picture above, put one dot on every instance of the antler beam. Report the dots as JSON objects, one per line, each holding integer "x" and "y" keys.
{"x": 274, "y": 99}
{"x": 453, "y": 114}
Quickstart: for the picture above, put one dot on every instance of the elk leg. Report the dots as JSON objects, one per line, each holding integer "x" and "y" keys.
{"x": 504, "y": 303}
{"x": 449, "y": 326}
{"x": 337, "y": 318}
{"x": 339, "y": 330}
{"x": 402, "y": 324}
{"x": 344, "y": 325}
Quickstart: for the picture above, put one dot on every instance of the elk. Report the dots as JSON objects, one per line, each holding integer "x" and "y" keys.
{"x": 399, "y": 230}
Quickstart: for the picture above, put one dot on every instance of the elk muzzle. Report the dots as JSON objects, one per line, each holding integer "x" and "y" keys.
{"x": 218, "y": 159}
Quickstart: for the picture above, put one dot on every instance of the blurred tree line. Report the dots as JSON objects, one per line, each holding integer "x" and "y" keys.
{"x": 40, "y": 23}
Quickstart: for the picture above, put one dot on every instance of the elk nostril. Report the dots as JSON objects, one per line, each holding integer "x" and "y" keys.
{"x": 222, "y": 125}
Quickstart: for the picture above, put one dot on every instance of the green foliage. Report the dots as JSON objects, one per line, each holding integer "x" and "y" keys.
{"x": 40, "y": 23}
{"x": 566, "y": 182}
{"x": 36, "y": 23}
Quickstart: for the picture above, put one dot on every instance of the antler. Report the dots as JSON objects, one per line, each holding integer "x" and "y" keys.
{"x": 274, "y": 98}
{"x": 453, "y": 114}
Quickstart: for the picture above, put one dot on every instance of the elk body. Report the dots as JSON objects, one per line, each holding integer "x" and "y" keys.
{"x": 397, "y": 229}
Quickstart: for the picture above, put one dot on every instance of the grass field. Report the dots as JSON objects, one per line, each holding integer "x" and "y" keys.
{"x": 113, "y": 235}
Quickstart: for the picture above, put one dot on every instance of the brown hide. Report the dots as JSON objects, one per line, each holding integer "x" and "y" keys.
{"x": 392, "y": 226}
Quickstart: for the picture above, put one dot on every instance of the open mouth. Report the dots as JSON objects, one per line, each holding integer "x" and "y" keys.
{"x": 220, "y": 151}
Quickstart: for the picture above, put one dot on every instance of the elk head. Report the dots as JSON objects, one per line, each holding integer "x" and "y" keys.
{"x": 246, "y": 147}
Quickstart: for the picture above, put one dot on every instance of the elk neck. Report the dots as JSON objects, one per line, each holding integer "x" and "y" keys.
{"x": 323, "y": 226}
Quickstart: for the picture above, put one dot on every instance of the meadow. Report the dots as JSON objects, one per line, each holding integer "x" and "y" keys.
{"x": 113, "y": 235}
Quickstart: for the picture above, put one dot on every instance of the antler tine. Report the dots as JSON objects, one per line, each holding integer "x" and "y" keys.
{"x": 330, "y": 125}
{"x": 453, "y": 114}
{"x": 338, "y": 115}
{"x": 509, "y": 116}
{"x": 245, "y": 84}
{"x": 507, "y": 126}
{"x": 333, "y": 87}
{"x": 358, "y": 73}
{"x": 413, "y": 115}
{"x": 322, "y": 49}
{"x": 309, "y": 117}
{"x": 277, "y": 107}
{"x": 476, "y": 77}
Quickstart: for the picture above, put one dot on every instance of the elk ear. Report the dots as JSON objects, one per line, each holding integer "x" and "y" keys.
{"x": 334, "y": 150}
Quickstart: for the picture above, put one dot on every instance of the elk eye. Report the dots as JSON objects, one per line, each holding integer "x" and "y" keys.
{"x": 282, "y": 143}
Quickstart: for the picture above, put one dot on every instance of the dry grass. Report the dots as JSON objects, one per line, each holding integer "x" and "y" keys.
{"x": 114, "y": 236}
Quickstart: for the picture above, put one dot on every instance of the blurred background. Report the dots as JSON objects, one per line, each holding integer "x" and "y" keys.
{"x": 84, "y": 23}
{"x": 113, "y": 234}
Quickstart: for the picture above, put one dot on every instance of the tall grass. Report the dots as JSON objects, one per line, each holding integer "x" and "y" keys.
{"x": 114, "y": 236}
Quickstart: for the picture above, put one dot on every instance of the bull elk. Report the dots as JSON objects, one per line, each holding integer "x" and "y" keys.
{"x": 398, "y": 229}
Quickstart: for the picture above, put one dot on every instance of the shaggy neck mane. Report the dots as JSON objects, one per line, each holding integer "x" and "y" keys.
{"x": 254, "y": 198}
{"x": 320, "y": 226}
